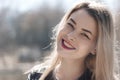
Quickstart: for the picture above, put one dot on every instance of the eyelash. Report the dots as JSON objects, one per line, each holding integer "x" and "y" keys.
{"x": 85, "y": 35}
{"x": 81, "y": 33}
{"x": 71, "y": 25}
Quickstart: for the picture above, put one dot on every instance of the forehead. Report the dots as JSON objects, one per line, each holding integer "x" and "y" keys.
{"x": 84, "y": 20}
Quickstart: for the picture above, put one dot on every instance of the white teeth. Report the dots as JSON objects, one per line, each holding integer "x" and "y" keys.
{"x": 67, "y": 45}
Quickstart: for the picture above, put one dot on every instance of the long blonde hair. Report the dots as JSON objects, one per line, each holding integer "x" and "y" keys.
{"x": 101, "y": 64}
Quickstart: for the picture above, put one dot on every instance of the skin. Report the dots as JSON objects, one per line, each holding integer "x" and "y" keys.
{"x": 75, "y": 41}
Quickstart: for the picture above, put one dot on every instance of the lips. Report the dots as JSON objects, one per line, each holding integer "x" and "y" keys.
{"x": 67, "y": 45}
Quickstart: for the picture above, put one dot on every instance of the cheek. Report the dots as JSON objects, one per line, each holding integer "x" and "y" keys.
{"x": 62, "y": 32}
{"x": 85, "y": 46}
{"x": 83, "y": 50}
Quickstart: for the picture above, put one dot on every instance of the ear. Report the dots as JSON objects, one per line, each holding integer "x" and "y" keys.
{"x": 93, "y": 52}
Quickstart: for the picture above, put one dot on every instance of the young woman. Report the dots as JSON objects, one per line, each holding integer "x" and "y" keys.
{"x": 83, "y": 48}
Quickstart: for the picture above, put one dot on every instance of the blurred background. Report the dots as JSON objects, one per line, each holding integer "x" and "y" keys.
{"x": 26, "y": 28}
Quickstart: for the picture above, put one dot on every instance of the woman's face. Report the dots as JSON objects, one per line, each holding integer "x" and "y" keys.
{"x": 77, "y": 37}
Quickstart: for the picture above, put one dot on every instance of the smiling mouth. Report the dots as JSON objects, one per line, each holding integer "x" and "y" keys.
{"x": 67, "y": 45}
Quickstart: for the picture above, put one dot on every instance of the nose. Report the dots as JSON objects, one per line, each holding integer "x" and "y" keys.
{"x": 71, "y": 36}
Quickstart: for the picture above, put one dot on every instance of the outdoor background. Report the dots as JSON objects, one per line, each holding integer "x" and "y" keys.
{"x": 25, "y": 31}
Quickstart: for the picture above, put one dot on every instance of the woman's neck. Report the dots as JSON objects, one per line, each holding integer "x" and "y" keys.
{"x": 70, "y": 69}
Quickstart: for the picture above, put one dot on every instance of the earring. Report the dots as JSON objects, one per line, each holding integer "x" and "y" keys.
{"x": 94, "y": 52}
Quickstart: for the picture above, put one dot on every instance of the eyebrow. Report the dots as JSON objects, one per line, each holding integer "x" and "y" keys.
{"x": 87, "y": 31}
{"x": 73, "y": 21}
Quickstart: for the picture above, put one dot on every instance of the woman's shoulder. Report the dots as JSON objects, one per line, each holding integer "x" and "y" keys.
{"x": 35, "y": 72}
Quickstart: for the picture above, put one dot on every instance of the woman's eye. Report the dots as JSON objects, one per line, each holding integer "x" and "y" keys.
{"x": 71, "y": 25}
{"x": 85, "y": 35}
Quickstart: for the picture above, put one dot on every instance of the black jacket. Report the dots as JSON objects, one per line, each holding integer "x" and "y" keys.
{"x": 35, "y": 75}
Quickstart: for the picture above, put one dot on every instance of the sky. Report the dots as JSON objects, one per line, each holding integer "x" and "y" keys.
{"x": 24, "y": 5}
